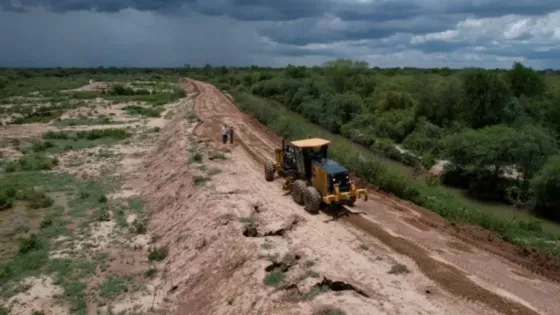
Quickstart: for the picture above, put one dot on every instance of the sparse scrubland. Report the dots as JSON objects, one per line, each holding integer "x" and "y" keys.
{"x": 67, "y": 214}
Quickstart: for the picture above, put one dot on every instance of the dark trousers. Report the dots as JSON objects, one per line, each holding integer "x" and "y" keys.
{"x": 224, "y": 139}
{"x": 231, "y": 137}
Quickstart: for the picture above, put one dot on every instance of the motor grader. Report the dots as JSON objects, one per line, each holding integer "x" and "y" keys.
{"x": 314, "y": 180}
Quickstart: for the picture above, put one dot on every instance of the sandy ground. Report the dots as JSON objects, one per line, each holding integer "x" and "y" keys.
{"x": 446, "y": 275}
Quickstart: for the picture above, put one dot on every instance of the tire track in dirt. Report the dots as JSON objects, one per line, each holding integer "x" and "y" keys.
{"x": 527, "y": 259}
{"x": 449, "y": 277}
{"x": 259, "y": 142}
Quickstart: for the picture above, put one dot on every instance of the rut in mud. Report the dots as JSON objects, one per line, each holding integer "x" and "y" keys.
{"x": 477, "y": 275}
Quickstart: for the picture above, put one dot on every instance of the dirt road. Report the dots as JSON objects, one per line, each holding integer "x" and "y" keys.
{"x": 239, "y": 246}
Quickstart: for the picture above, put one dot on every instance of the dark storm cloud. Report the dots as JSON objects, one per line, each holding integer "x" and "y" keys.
{"x": 241, "y": 32}
{"x": 247, "y": 10}
{"x": 331, "y": 28}
{"x": 351, "y": 10}
{"x": 132, "y": 38}
{"x": 380, "y": 10}
{"x": 495, "y": 8}
{"x": 94, "y": 5}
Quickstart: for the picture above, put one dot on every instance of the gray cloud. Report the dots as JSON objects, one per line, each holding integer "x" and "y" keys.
{"x": 242, "y": 32}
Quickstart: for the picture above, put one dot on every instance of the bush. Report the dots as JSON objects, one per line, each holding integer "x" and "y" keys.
{"x": 143, "y": 111}
{"x": 29, "y": 244}
{"x": 546, "y": 188}
{"x": 36, "y": 199}
{"x": 31, "y": 162}
{"x": 140, "y": 225}
{"x": 6, "y": 201}
{"x": 157, "y": 254}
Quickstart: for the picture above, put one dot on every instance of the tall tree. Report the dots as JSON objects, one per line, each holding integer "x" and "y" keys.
{"x": 525, "y": 81}
{"x": 485, "y": 95}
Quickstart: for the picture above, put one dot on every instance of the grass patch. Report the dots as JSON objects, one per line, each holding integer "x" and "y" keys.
{"x": 248, "y": 220}
{"x": 274, "y": 278}
{"x": 217, "y": 156}
{"x": 192, "y": 117}
{"x": 330, "y": 311}
{"x": 135, "y": 110}
{"x": 266, "y": 245}
{"x": 195, "y": 158}
{"x": 112, "y": 287}
{"x": 102, "y": 215}
{"x": 61, "y": 123}
{"x": 214, "y": 171}
{"x": 157, "y": 254}
{"x": 61, "y": 141}
{"x": 136, "y": 205}
{"x": 114, "y": 133}
{"x": 227, "y": 216}
{"x": 87, "y": 197}
{"x": 151, "y": 272}
{"x": 31, "y": 162}
{"x": 120, "y": 218}
{"x": 140, "y": 225}
{"x": 75, "y": 293}
{"x": 199, "y": 180}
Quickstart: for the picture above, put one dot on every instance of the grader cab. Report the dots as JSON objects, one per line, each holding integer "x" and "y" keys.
{"x": 313, "y": 179}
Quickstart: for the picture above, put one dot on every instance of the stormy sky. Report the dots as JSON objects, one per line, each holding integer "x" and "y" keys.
{"x": 385, "y": 33}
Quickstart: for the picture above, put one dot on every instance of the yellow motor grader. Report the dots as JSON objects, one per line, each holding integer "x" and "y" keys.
{"x": 313, "y": 179}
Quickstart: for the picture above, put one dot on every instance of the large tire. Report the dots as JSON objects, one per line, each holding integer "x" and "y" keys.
{"x": 312, "y": 200}
{"x": 298, "y": 189}
{"x": 269, "y": 169}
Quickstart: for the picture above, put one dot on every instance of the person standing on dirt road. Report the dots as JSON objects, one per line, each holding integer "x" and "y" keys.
{"x": 230, "y": 132}
{"x": 225, "y": 132}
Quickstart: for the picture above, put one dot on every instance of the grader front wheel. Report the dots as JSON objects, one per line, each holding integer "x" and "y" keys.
{"x": 298, "y": 191}
{"x": 269, "y": 169}
{"x": 312, "y": 200}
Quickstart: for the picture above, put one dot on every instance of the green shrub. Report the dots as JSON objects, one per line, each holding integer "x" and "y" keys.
{"x": 157, "y": 254}
{"x": 31, "y": 162}
{"x": 6, "y": 201}
{"x": 28, "y": 244}
{"x": 36, "y": 199}
{"x": 143, "y": 111}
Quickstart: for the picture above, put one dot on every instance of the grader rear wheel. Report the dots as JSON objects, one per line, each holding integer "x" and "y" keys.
{"x": 312, "y": 200}
{"x": 269, "y": 169}
{"x": 298, "y": 190}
